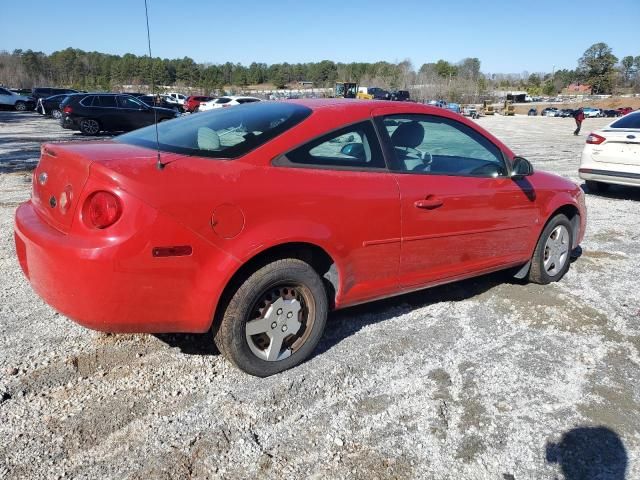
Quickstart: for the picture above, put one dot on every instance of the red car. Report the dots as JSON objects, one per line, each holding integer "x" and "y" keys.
{"x": 191, "y": 103}
{"x": 256, "y": 221}
{"x": 624, "y": 110}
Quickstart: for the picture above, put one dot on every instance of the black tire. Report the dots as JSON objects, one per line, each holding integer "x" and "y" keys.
{"x": 89, "y": 126}
{"x": 596, "y": 187}
{"x": 20, "y": 106}
{"x": 539, "y": 273}
{"x": 258, "y": 290}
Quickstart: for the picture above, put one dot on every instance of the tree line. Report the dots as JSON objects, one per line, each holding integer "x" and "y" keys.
{"x": 461, "y": 80}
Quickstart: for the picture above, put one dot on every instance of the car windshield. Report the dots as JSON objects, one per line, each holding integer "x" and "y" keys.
{"x": 630, "y": 121}
{"x": 221, "y": 133}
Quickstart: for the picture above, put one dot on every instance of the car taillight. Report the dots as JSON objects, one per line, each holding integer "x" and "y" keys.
{"x": 101, "y": 210}
{"x": 595, "y": 139}
{"x": 67, "y": 109}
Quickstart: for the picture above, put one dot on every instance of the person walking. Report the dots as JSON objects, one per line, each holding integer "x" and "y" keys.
{"x": 579, "y": 118}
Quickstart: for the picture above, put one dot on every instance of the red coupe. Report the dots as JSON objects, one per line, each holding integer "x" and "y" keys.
{"x": 256, "y": 221}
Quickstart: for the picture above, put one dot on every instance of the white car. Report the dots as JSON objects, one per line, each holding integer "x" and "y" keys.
{"x": 592, "y": 112}
{"x": 15, "y": 100}
{"x": 175, "y": 97}
{"x": 612, "y": 154}
{"x": 227, "y": 101}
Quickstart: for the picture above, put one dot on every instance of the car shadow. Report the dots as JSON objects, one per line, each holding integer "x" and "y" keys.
{"x": 344, "y": 323}
{"x": 616, "y": 192}
{"x": 347, "y": 322}
{"x": 589, "y": 453}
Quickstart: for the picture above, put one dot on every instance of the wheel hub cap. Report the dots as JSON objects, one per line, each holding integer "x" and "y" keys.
{"x": 556, "y": 250}
{"x": 281, "y": 320}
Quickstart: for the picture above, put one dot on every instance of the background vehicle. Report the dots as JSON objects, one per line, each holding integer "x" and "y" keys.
{"x": 532, "y": 112}
{"x": 610, "y": 113}
{"x": 92, "y": 113}
{"x": 612, "y": 154}
{"x": 192, "y": 102}
{"x": 177, "y": 97}
{"x": 400, "y": 95}
{"x": 624, "y": 110}
{"x": 227, "y": 101}
{"x": 471, "y": 111}
{"x": 159, "y": 101}
{"x": 453, "y": 107}
{"x": 260, "y": 220}
{"x": 591, "y": 112}
{"x": 372, "y": 93}
{"x": 565, "y": 113}
{"x": 549, "y": 112}
{"x": 51, "y": 105}
{"x": 508, "y": 109}
{"x": 345, "y": 90}
{"x": 12, "y": 99}
{"x": 45, "y": 92}
{"x": 487, "y": 108}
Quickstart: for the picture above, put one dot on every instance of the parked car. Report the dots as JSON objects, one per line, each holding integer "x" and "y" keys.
{"x": 565, "y": 113}
{"x": 92, "y": 113}
{"x": 159, "y": 101}
{"x": 454, "y": 107}
{"x": 257, "y": 220}
{"x": 549, "y": 112}
{"x": 532, "y": 112}
{"x": 591, "y": 112}
{"x": 227, "y": 101}
{"x": 177, "y": 97}
{"x": 612, "y": 154}
{"x": 45, "y": 92}
{"x": 470, "y": 111}
{"x": 192, "y": 102}
{"x": 51, "y": 105}
{"x": 400, "y": 96}
{"x": 624, "y": 110}
{"x": 610, "y": 113}
{"x": 15, "y": 100}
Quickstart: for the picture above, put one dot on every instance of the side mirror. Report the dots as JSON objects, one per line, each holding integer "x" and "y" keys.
{"x": 521, "y": 168}
{"x": 353, "y": 150}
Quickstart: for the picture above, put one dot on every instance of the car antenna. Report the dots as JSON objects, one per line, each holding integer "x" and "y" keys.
{"x": 159, "y": 163}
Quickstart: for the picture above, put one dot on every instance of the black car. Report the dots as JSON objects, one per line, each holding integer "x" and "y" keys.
{"x": 400, "y": 96}
{"x": 51, "y": 105}
{"x": 378, "y": 93}
{"x": 158, "y": 101}
{"x": 610, "y": 113}
{"x": 92, "y": 113}
{"x": 532, "y": 112}
{"x": 45, "y": 92}
{"x": 566, "y": 113}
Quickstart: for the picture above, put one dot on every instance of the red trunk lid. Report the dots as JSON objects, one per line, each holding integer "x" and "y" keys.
{"x": 62, "y": 173}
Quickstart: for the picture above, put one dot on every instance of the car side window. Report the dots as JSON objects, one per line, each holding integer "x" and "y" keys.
{"x": 355, "y": 146}
{"x": 429, "y": 144}
{"x": 130, "y": 103}
{"x": 4, "y": 92}
{"x": 108, "y": 101}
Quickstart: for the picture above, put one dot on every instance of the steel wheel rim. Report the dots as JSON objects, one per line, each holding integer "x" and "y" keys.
{"x": 556, "y": 250}
{"x": 21, "y": 107}
{"x": 280, "y": 321}
{"x": 56, "y": 114}
{"x": 90, "y": 126}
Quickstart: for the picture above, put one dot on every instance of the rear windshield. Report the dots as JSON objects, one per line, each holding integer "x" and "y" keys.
{"x": 221, "y": 133}
{"x": 630, "y": 121}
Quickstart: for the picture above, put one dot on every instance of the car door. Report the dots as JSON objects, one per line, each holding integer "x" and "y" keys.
{"x": 340, "y": 181}
{"x": 461, "y": 212}
{"x": 6, "y": 97}
{"x": 105, "y": 109}
{"x": 133, "y": 113}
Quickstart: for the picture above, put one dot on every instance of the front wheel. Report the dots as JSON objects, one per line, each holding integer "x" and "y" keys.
{"x": 89, "y": 126}
{"x": 275, "y": 318}
{"x": 551, "y": 257}
{"x": 21, "y": 106}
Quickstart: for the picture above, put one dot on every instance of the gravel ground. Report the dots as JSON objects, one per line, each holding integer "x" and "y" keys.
{"x": 482, "y": 379}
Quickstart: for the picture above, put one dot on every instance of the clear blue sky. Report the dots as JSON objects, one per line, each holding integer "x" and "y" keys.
{"x": 507, "y": 36}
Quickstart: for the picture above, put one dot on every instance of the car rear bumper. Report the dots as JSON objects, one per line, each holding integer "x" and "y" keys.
{"x": 610, "y": 176}
{"x": 120, "y": 287}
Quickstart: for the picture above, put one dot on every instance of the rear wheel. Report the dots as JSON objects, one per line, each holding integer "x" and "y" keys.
{"x": 275, "y": 318}
{"x": 89, "y": 126}
{"x": 594, "y": 186}
{"x": 551, "y": 257}
{"x": 55, "y": 113}
{"x": 21, "y": 106}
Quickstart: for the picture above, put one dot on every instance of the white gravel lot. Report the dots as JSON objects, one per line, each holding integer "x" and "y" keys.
{"x": 482, "y": 379}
